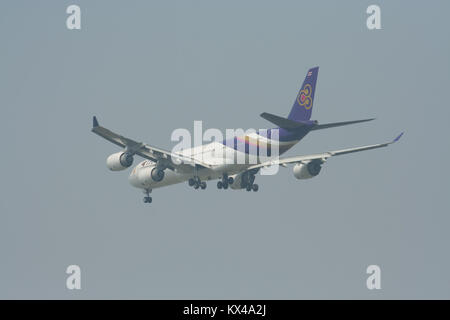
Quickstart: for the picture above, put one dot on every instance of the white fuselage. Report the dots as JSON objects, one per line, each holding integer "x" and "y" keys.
{"x": 209, "y": 154}
{"x": 221, "y": 158}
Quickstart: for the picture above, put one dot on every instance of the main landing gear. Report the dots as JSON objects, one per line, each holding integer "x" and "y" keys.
{"x": 225, "y": 182}
{"x": 197, "y": 183}
{"x": 147, "y": 198}
{"x": 248, "y": 180}
{"x": 253, "y": 187}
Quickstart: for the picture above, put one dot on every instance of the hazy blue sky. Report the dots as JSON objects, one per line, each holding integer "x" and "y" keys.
{"x": 146, "y": 68}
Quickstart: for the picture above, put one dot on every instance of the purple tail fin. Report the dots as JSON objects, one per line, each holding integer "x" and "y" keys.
{"x": 302, "y": 108}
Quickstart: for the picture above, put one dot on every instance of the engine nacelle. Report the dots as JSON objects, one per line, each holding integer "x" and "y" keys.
{"x": 149, "y": 174}
{"x": 307, "y": 170}
{"x": 119, "y": 161}
{"x": 157, "y": 174}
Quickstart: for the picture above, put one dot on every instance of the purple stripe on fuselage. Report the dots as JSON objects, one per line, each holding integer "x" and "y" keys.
{"x": 287, "y": 139}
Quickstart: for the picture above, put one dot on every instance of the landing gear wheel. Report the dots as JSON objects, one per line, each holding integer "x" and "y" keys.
{"x": 219, "y": 185}
{"x": 203, "y": 185}
{"x": 191, "y": 182}
{"x": 249, "y": 188}
{"x": 196, "y": 185}
{"x": 226, "y": 180}
{"x": 147, "y": 199}
{"x": 255, "y": 187}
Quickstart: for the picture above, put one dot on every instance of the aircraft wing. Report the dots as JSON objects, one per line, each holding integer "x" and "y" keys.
{"x": 322, "y": 156}
{"x": 146, "y": 151}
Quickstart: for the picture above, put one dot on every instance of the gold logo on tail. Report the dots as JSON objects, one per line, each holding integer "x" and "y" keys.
{"x": 304, "y": 97}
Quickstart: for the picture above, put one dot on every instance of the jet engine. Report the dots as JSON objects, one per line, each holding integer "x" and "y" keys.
{"x": 148, "y": 175}
{"x": 119, "y": 161}
{"x": 307, "y": 170}
{"x": 157, "y": 174}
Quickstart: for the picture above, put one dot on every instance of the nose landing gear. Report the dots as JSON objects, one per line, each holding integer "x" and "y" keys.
{"x": 147, "y": 198}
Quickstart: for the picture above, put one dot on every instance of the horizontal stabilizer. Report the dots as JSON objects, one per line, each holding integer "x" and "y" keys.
{"x": 283, "y": 122}
{"x": 338, "y": 124}
{"x": 293, "y": 125}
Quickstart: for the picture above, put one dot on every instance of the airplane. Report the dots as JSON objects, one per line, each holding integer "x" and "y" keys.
{"x": 212, "y": 161}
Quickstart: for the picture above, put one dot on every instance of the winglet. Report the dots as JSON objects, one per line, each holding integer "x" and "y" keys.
{"x": 398, "y": 137}
{"x": 94, "y": 122}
